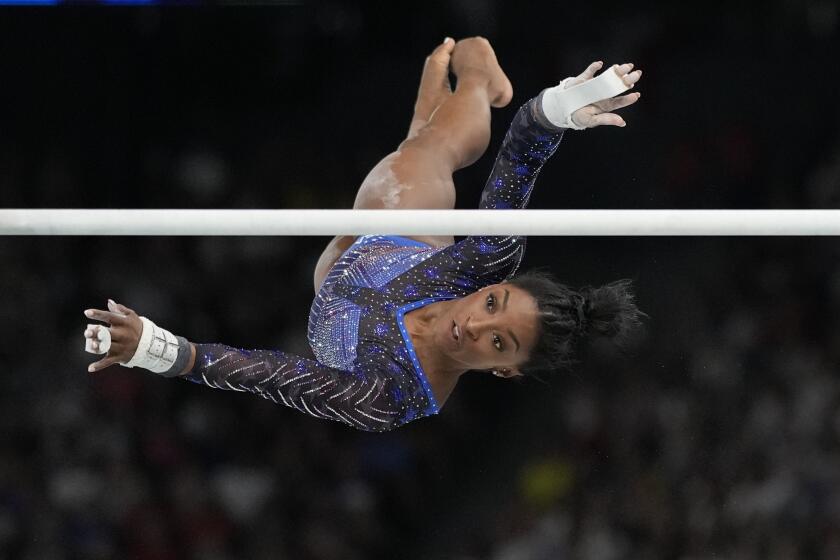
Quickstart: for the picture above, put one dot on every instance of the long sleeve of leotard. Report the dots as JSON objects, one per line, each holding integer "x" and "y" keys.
{"x": 529, "y": 143}
{"x": 361, "y": 399}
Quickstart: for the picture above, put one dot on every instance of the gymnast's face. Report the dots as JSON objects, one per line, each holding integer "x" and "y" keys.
{"x": 494, "y": 328}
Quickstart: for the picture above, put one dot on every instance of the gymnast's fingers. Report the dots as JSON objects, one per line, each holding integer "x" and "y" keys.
{"x": 92, "y": 340}
{"x": 97, "y": 339}
{"x": 94, "y": 332}
{"x": 119, "y": 308}
{"x": 103, "y": 363}
{"x": 590, "y": 70}
{"x": 632, "y": 77}
{"x": 607, "y": 119}
{"x": 608, "y": 105}
{"x": 106, "y": 316}
{"x": 622, "y": 69}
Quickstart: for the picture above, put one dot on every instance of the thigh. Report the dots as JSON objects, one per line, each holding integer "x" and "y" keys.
{"x": 411, "y": 177}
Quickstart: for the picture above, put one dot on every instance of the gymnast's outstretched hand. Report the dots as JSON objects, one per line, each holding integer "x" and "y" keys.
{"x": 600, "y": 112}
{"x": 119, "y": 341}
{"x": 560, "y": 100}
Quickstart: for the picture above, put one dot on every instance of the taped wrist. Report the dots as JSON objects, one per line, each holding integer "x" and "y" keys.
{"x": 559, "y": 102}
{"x": 160, "y": 351}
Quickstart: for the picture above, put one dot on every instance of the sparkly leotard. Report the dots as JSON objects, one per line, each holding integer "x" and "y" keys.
{"x": 366, "y": 373}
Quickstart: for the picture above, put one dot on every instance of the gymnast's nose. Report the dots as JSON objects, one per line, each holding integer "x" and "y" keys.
{"x": 474, "y": 327}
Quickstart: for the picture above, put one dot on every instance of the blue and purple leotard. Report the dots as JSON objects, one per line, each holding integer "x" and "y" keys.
{"x": 365, "y": 372}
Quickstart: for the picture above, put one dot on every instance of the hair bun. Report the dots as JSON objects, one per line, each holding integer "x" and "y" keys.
{"x": 611, "y": 311}
{"x": 566, "y": 315}
{"x": 583, "y": 307}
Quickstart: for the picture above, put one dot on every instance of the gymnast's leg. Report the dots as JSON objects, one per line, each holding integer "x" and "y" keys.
{"x": 442, "y": 138}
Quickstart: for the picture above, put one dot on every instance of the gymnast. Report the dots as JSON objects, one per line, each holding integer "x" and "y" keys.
{"x": 397, "y": 320}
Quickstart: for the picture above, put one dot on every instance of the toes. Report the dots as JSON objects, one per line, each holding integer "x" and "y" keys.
{"x": 442, "y": 52}
{"x": 436, "y": 74}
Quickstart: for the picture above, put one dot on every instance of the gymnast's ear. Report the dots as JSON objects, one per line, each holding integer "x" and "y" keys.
{"x": 507, "y": 373}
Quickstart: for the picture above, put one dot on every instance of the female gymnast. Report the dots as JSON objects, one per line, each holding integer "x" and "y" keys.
{"x": 396, "y": 320}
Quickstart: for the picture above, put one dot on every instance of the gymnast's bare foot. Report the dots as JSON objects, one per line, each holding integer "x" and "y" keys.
{"x": 434, "y": 84}
{"x": 475, "y": 56}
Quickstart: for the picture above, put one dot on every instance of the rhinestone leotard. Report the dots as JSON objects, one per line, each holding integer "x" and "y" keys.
{"x": 366, "y": 373}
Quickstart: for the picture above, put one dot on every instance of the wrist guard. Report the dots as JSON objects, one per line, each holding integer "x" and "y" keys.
{"x": 160, "y": 351}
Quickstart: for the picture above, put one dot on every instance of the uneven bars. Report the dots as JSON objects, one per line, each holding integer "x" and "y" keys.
{"x": 420, "y": 222}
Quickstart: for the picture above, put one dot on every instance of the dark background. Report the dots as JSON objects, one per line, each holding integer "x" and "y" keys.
{"x": 716, "y": 438}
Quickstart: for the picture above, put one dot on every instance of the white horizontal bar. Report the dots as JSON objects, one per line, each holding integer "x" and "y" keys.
{"x": 419, "y": 222}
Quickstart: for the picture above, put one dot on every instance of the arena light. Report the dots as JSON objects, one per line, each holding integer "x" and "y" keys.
{"x": 421, "y": 222}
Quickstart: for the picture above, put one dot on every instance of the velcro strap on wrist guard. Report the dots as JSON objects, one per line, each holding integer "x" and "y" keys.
{"x": 560, "y": 103}
{"x": 157, "y": 349}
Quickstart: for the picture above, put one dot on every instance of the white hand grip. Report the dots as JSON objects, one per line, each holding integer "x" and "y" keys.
{"x": 558, "y": 104}
{"x": 103, "y": 335}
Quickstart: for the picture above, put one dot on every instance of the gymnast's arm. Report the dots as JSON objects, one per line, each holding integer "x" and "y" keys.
{"x": 535, "y": 134}
{"x": 529, "y": 142}
{"x": 362, "y": 399}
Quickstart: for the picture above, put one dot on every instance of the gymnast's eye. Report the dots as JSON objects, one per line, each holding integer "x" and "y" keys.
{"x": 491, "y": 301}
{"x": 497, "y": 342}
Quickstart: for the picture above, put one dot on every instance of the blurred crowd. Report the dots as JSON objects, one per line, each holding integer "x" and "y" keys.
{"x": 715, "y": 437}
